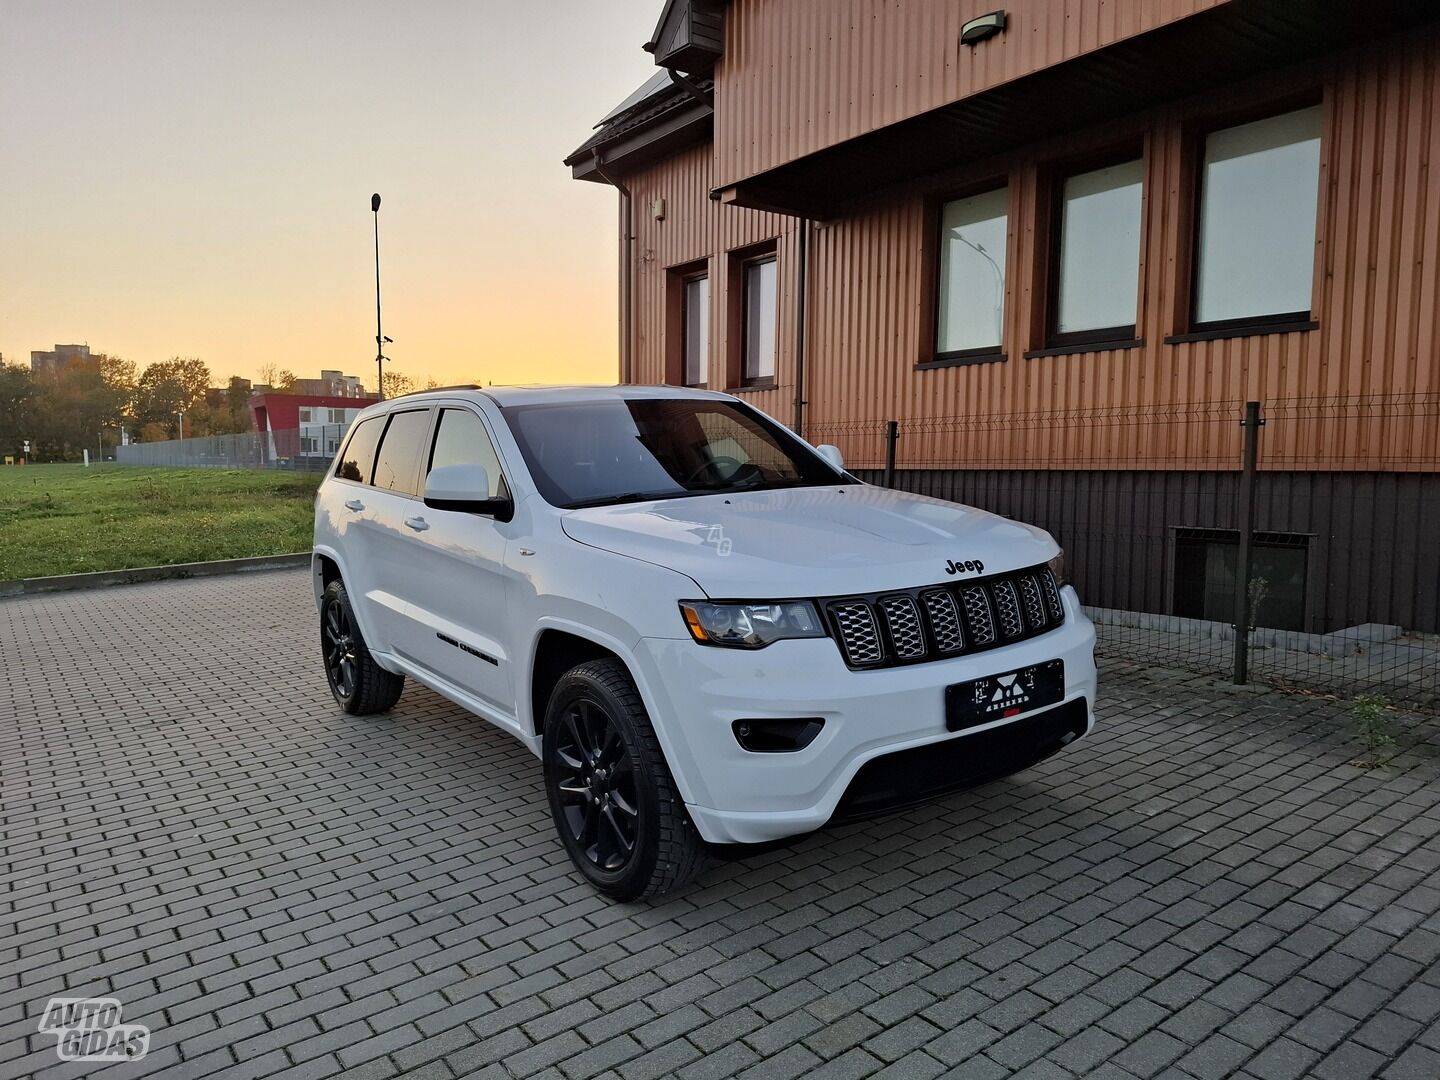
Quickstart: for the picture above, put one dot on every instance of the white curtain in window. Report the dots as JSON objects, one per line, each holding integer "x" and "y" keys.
{"x": 697, "y": 330}
{"x": 1259, "y": 195}
{"x": 1100, "y": 249}
{"x": 972, "y": 272}
{"x": 760, "y": 312}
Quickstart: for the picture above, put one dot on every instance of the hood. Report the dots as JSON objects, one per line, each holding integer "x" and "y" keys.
{"x": 802, "y": 542}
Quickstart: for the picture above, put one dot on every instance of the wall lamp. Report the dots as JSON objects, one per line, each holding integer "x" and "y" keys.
{"x": 982, "y": 28}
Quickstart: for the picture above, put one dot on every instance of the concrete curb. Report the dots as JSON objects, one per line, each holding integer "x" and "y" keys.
{"x": 103, "y": 578}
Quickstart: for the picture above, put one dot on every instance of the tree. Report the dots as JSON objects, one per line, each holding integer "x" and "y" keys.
{"x": 74, "y": 405}
{"x": 17, "y": 393}
{"x": 170, "y": 387}
{"x": 396, "y": 383}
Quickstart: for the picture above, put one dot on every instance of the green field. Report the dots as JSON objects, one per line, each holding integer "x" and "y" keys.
{"x": 65, "y": 519}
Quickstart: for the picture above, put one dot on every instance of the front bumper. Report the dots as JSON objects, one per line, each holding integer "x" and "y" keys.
{"x": 735, "y": 796}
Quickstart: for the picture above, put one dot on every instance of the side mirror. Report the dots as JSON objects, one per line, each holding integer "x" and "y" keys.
{"x": 465, "y": 488}
{"x": 832, "y": 456}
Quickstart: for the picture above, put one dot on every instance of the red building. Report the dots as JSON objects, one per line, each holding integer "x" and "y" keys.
{"x": 304, "y": 425}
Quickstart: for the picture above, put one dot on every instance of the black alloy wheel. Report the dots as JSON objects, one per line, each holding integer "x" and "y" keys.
{"x": 595, "y": 779}
{"x": 339, "y": 643}
{"x": 615, "y": 804}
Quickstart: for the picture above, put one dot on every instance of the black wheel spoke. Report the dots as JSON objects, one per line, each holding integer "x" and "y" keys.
{"x": 594, "y": 789}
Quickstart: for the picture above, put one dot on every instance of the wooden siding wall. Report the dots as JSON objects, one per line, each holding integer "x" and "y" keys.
{"x": 1377, "y": 290}
{"x": 799, "y": 75}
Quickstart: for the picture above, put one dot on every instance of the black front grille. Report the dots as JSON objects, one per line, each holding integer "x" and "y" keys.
{"x": 911, "y": 626}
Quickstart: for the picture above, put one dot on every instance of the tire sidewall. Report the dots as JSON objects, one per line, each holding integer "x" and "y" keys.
{"x": 575, "y": 686}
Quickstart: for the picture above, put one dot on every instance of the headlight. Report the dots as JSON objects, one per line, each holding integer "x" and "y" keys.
{"x": 750, "y": 626}
{"x": 1057, "y": 567}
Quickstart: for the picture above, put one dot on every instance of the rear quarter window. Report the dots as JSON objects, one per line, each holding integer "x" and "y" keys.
{"x": 357, "y": 461}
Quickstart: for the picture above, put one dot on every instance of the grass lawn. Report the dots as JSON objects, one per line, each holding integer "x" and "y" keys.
{"x": 64, "y": 519}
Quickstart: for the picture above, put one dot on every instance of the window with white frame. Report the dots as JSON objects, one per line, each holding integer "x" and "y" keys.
{"x": 1257, "y": 206}
{"x": 970, "y": 316}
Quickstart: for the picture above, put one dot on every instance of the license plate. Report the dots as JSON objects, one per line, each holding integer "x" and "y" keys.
{"x": 998, "y": 697}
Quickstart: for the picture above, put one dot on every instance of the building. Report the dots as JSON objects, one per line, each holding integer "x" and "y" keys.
{"x": 332, "y": 384}
{"x": 59, "y": 358}
{"x": 304, "y": 425}
{"x": 1061, "y": 245}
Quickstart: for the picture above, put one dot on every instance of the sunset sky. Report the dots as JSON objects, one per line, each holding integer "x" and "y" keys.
{"x": 193, "y": 178}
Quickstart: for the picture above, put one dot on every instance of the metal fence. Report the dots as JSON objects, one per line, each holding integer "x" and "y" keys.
{"x": 308, "y": 448}
{"x": 1311, "y": 522}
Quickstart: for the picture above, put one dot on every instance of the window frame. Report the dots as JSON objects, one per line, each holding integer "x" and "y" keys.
{"x": 931, "y": 355}
{"x": 349, "y": 436}
{"x": 746, "y": 264}
{"x": 433, "y": 437}
{"x": 1188, "y": 328}
{"x": 1123, "y": 336}
{"x": 425, "y": 439}
{"x": 685, "y": 281}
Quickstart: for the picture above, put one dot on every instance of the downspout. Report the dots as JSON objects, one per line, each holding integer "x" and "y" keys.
{"x": 627, "y": 269}
{"x": 802, "y": 294}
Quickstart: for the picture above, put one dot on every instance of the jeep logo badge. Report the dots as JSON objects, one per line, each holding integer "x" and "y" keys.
{"x": 969, "y": 566}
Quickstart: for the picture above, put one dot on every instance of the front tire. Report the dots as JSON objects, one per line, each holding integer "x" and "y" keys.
{"x": 360, "y": 685}
{"x": 615, "y": 804}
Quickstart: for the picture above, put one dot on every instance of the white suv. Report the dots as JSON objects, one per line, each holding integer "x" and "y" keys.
{"x": 705, "y": 628}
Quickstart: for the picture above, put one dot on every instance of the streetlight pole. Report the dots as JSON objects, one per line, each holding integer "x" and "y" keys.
{"x": 181, "y": 414}
{"x": 379, "y": 336}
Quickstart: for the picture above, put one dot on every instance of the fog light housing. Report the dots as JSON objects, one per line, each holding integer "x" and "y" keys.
{"x": 777, "y": 736}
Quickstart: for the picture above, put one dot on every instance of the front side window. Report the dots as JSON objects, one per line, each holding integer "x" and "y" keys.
{"x": 1259, "y": 193}
{"x": 397, "y": 462}
{"x": 590, "y": 453}
{"x": 971, "y": 302}
{"x": 358, "y": 460}
{"x": 461, "y": 439}
{"x": 761, "y": 302}
{"x": 1098, "y": 262}
{"x": 697, "y": 330}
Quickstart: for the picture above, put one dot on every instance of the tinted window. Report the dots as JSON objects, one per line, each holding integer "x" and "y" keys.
{"x": 359, "y": 457}
{"x": 461, "y": 439}
{"x": 398, "y": 461}
{"x": 592, "y": 452}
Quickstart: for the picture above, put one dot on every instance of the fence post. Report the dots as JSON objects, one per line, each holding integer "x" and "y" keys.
{"x": 1250, "y": 429}
{"x": 892, "y": 435}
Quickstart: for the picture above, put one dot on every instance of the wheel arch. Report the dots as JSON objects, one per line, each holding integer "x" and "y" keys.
{"x": 557, "y": 650}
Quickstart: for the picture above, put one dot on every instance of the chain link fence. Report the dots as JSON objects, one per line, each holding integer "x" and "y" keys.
{"x": 308, "y": 448}
{"x": 1324, "y": 548}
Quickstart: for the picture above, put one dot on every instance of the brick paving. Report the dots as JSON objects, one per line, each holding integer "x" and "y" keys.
{"x": 1207, "y": 887}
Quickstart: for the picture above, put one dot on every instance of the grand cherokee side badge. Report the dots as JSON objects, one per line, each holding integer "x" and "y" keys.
{"x": 971, "y": 566}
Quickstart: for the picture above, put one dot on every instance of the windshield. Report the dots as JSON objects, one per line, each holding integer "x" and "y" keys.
{"x": 591, "y": 453}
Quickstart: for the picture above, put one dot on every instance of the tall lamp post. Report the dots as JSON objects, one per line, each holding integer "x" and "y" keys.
{"x": 180, "y": 414}
{"x": 379, "y": 336}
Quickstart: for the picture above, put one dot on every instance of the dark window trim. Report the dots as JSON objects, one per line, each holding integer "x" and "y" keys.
{"x": 674, "y": 310}
{"x": 931, "y": 356}
{"x": 1093, "y": 347}
{"x": 1194, "y": 145}
{"x": 767, "y": 383}
{"x": 963, "y": 358}
{"x": 760, "y": 259}
{"x": 1290, "y": 323}
{"x": 686, "y": 280}
{"x": 416, "y": 480}
{"x": 1054, "y": 190}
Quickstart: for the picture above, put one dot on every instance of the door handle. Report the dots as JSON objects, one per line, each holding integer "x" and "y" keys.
{"x": 419, "y": 524}
{"x": 354, "y": 504}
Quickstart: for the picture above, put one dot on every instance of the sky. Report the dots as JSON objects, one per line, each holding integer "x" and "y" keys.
{"x": 193, "y": 178}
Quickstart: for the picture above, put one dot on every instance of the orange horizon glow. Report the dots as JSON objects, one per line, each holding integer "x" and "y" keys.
{"x": 193, "y": 178}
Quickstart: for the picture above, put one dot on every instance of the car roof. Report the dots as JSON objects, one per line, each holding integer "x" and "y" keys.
{"x": 549, "y": 395}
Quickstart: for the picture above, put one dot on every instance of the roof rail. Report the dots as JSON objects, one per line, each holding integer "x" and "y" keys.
{"x": 437, "y": 389}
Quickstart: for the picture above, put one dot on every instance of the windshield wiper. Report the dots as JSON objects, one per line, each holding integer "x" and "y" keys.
{"x": 629, "y": 496}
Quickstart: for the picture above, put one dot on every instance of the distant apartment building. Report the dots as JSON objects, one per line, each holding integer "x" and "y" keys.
{"x": 332, "y": 384}
{"x": 59, "y": 358}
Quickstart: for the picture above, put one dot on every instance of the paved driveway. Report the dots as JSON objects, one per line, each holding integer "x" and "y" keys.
{"x": 1204, "y": 888}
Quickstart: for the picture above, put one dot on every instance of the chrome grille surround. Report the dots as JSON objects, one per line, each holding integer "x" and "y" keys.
{"x": 940, "y": 621}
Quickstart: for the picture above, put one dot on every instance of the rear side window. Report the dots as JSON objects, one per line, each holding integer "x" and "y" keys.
{"x": 398, "y": 461}
{"x": 358, "y": 459}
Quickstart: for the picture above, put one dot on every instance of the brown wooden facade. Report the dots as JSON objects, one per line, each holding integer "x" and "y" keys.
{"x": 826, "y": 113}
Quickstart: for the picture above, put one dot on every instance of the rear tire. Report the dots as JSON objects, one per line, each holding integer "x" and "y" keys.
{"x": 614, "y": 801}
{"x": 360, "y": 685}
